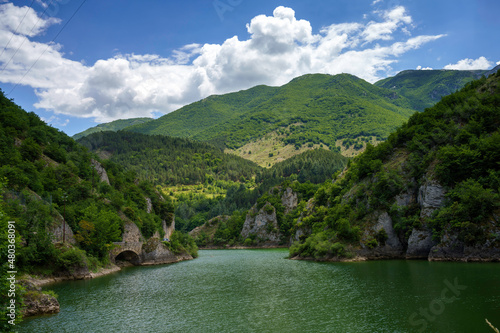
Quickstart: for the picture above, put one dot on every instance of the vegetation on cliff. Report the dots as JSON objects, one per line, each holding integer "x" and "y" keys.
{"x": 455, "y": 144}
{"x": 51, "y": 179}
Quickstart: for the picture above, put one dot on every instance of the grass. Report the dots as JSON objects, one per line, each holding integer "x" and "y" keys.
{"x": 270, "y": 149}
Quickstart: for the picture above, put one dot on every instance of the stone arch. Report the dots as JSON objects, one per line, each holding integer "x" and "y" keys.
{"x": 127, "y": 256}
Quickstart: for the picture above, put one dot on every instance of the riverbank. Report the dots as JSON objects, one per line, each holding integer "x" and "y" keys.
{"x": 241, "y": 247}
{"x": 40, "y": 281}
{"x": 85, "y": 274}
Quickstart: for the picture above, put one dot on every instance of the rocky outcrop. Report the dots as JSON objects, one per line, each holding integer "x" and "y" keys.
{"x": 149, "y": 206}
{"x": 451, "y": 248}
{"x": 430, "y": 197}
{"x": 154, "y": 252}
{"x": 61, "y": 232}
{"x": 36, "y": 302}
{"x": 100, "y": 171}
{"x": 131, "y": 233}
{"x": 263, "y": 224}
{"x": 168, "y": 229}
{"x": 289, "y": 200}
{"x": 388, "y": 246}
{"x": 420, "y": 244}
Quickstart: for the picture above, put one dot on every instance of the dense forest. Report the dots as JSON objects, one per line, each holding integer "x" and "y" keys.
{"x": 306, "y": 171}
{"x": 169, "y": 161}
{"x": 47, "y": 178}
{"x": 455, "y": 144}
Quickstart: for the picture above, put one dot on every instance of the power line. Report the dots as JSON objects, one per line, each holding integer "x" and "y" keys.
{"x": 22, "y": 43}
{"x": 15, "y": 32}
{"x": 48, "y": 45}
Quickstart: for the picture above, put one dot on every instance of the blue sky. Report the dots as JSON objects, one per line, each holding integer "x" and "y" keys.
{"x": 118, "y": 59}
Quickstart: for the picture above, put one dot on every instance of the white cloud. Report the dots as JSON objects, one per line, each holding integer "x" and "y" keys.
{"x": 470, "y": 64}
{"x": 420, "y": 68}
{"x": 279, "y": 48}
{"x": 393, "y": 19}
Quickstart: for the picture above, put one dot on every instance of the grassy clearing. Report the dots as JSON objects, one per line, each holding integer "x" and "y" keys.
{"x": 271, "y": 149}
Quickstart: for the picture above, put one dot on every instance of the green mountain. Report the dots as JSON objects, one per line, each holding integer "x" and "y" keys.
{"x": 169, "y": 161}
{"x": 424, "y": 88}
{"x": 50, "y": 183}
{"x": 112, "y": 126}
{"x": 432, "y": 190}
{"x": 311, "y": 110}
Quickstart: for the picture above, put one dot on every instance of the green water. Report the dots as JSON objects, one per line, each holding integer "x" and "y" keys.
{"x": 261, "y": 291}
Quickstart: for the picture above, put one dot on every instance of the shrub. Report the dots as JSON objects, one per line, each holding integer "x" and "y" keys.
{"x": 72, "y": 258}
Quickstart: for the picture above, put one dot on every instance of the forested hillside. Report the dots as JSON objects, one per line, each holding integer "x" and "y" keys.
{"x": 112, "y": 126}
{"x": 307, "y": 171}
{"x": 424, "y": 88}
{"x": 313, "y": 109}
{"x": 48, "y": 178}
{"x": 204, "y": 181}
{"x": 169, "y": 161}
{"x": 430, "y": 191}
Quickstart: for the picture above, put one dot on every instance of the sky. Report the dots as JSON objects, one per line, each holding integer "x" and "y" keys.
{"x": 78, "y": 63}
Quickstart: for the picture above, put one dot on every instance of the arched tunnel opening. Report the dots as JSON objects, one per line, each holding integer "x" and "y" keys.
{"x": 127, "y": 258}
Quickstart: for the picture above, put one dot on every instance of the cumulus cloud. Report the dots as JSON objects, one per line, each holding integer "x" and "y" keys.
{"x": 278, "y": 48}
{"x": 471, "y": 64}
{"x": 420, "y": 68}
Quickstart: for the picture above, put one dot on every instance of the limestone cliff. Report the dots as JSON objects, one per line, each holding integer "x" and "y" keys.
{"x": 262, "y": 224}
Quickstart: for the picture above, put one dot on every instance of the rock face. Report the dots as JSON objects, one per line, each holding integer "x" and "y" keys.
{"x": 452, "y": 249}
{"x": 263, "y": 224}
{"x": 289, "y": 199}
{"x": 131, "y": 233}
{"x": 100, "y": 171}
{"x": 38, "y": 303}
{"x": 154, "y": 252}
{"x": 61, "y": 231}
{"x": 168, "y": 229}
{"x": 420, "y": 244}
{"x": 430, "y": 197}
{"x": 390, "y": 248}
{"x": 149, "y": 206}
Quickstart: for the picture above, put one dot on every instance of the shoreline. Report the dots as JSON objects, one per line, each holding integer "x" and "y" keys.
{"x": 44, "y": 281}
{"x": 244, "y": 247}
{"x": 39, "y": 281}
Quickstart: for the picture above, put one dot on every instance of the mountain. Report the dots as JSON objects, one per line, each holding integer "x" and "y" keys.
{"x": 312, "y": 110}
{"x": 424, "y": 88}
{"x": 165, "y": 160}
{"x": 430, "y": 191}
{"x": 112, "y": 126}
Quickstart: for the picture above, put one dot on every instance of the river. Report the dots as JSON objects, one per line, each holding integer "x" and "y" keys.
{"x": 261, "y": 291}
